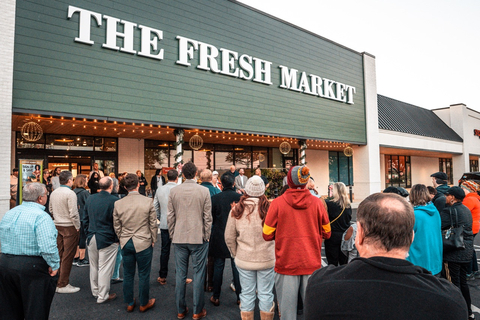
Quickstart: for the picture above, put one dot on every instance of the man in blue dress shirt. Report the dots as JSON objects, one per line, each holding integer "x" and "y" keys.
{"x": 29, "y": 260}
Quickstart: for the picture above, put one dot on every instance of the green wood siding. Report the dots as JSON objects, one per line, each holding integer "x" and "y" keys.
{"x": 53, "y": 73}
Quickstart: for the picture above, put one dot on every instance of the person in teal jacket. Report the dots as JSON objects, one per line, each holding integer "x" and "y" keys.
{"x": 427, "y": 248}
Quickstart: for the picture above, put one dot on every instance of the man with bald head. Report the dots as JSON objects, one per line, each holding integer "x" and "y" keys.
{"x": 381, "y": 284}
{"x": 102, "y": 241}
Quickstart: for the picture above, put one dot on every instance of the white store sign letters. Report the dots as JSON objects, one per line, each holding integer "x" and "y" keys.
{"x": 207, "y": 57}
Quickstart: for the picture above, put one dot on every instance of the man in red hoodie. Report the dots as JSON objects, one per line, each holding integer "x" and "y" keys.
{"x": 298, "y": 222}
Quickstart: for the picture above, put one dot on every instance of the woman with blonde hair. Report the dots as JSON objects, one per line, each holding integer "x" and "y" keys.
{"x": 254, "y": 257}
{"x": 340, "y": 215}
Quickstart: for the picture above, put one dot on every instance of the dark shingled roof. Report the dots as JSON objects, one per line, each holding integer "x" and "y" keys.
{"x": 399, "y": 116}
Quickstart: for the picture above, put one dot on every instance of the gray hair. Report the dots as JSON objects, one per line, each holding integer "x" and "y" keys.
{"x": 64, "y": 176}
{"x": 32, "y": 191}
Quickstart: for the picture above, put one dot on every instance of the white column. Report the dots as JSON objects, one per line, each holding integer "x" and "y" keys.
{"x": 303, "y": 154}
{"x": 366, "y": 159}
{"x": 7, "y": 39}
{"x": 179, "y": 155}
{"x": 459, "y": 123}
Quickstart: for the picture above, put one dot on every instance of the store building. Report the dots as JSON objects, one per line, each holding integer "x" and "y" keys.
{"x": 139, "y": 86}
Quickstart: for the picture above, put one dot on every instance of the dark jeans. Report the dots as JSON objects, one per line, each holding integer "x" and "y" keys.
{"x": 457, "y": 274}
{"x": 218, "y": 266}
{"x": 132, "y": 259}
{"x": 165, "y": 253}
{"x": 67, "y": 242}
{"x": 199, "y": 259}
{"x": 473, "y": 266}
{"x": 333, "y": 250}
{"x": 27, "y": 289}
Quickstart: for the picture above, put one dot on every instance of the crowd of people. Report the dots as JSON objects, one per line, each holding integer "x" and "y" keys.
{"x": 390, "y": 263}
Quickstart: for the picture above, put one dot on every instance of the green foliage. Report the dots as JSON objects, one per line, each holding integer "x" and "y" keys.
{"x": 275, "y": 179}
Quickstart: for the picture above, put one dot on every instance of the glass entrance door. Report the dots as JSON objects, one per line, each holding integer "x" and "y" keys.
{"x": 75, "y": 164}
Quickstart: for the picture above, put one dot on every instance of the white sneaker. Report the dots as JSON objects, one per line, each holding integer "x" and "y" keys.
{"x": 67, "y": 289}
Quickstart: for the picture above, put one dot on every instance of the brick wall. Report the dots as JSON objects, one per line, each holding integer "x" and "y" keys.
{"x": 131, "y": 155}
{"x": 7, "y": 35}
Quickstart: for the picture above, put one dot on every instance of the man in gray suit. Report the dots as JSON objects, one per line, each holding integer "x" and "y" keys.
{"x": 189, "y": 223}
{"x": 240, "y": 181}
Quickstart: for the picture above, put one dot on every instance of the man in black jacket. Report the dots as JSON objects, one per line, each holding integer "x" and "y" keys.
{"x": 221, "y": 206}
{"x": 440, "y": 182}
{"x": 102, "y": 241}
{"x": 381, "y": 284}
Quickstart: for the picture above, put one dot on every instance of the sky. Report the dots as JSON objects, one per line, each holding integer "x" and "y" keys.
{"x": 427, "y": 52}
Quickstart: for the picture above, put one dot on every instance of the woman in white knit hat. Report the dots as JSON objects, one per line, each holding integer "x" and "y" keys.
{"x": 254, "y": 257}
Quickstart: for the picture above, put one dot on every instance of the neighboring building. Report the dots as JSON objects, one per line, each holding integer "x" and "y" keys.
{"x": 114, "y": 82}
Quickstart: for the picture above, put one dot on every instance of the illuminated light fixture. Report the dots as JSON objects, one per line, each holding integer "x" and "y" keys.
{"x": 64, "y": 140}
{"x": 32, "y": 131}
{"x": 285, "y": 147}
{"x": 195, "y": 142}
{"x": 348, "y": 151}
{"x": 94, "y": 127}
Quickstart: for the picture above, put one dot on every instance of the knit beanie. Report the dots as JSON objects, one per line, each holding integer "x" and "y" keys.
{"x": 470, "y": 185}
{"x": 255, "y": 187}
{"x": 298, "y": 176}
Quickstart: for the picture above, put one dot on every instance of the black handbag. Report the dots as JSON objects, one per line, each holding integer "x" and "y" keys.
{"x": 453, "y": 236}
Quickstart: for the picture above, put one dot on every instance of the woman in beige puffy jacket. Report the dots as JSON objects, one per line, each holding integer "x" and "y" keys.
{"x": 254, "y": 257}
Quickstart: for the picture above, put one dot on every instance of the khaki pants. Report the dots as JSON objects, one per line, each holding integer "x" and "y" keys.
{"x": 102, "y": 263}
{"x": 67, "y": 241}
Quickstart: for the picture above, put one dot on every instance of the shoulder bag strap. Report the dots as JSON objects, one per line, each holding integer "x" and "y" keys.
{"x": 337, "y": 216}
{"x": 451, "y": 221}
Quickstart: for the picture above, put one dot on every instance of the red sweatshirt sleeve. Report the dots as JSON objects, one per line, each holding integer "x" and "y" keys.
{"x": 270, "y": 225}
{"x": 325, "y": 229}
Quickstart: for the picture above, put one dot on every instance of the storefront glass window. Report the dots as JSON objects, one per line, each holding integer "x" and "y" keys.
{"x": 398, "y": 171}
{"x": 260, "y": 158}
{"x": 203, "y": 157}
{"x": 156, "y": 158}
{"x": 105, "y": 144}
{"x": 473, "y": 165}
{"x": 340, "y": 168}
{"x": 186, "y": 157}
{"x": 60, "y": 142}
{"x": 243, "y": 157}
{"x": 24, "y": 144}
{"x": 445, "y": 165}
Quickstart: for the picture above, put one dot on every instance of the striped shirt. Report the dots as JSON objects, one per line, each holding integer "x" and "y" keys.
{"x": 28, "y": 230}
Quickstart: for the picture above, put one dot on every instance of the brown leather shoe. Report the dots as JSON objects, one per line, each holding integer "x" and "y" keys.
{"x": 162, "y": 281}
{"x": 111, "y": 296}
{"x": 130, "y": 308}
{"x": 216, "y": 302}
{"x": 149, "y": 305}
{"x": 182, "y": 315}
{"x": 200, "y": 315}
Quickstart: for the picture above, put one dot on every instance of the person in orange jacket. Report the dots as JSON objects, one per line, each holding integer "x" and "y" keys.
{"x": 472, "y": 202}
